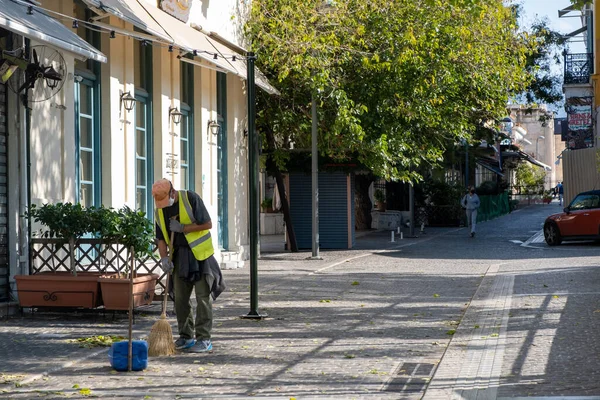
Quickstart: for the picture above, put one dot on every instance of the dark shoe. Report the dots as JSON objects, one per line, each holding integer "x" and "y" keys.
{"x": 472, "y": 234}
{"x": 201, "y": 346}
{"x": 183, "y": 343}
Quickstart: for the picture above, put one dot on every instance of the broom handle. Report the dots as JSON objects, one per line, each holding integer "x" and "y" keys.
{"x": 130, "y": 344}
{"x": 166, "y": 295}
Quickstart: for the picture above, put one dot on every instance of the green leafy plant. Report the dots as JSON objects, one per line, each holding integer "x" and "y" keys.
{"x": 104, "y": 223}
{"x": 530, "y": 180}
{"x": 267, "y": 203}
{"x": 135, "y": 230}
{"x": 440, "y": 193}
{"x": 488, "y": 188}
{"x": 63, "y": 220}
{"x": 379, "y": 196}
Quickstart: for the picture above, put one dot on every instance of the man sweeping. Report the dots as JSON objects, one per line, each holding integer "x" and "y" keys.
{"x": 193, "y": 265}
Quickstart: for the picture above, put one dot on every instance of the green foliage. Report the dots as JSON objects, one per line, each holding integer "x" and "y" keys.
{"x": 379, "y": 196}
{"x": 97, "y": 341}
{"x": 579, "y": 4}
{"x": 545, "y": 86}
{"x": 488, "y": 188}
{"x": 125, "y": 226}
{"x": 395, "y": 83}
{"x": 104, "y": 223}
{"x": 530, "y": 179}
{"x": 440, "y": 193}
{"x": 267, "y": 203}
{"x": 137, "y": 231}
{"x": 64, "y": 220}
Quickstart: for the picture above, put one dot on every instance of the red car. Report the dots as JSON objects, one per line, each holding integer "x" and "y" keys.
{"x": 579, "y": 221}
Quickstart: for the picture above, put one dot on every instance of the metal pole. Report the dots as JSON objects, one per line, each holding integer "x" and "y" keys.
{"x": 315, "y": 183}
{"x": 411, "y": 204}
{"x": 467, "y": 164}
{"x": 253, "y": 192}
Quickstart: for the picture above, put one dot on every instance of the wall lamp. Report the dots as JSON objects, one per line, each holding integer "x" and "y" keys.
{"x": 175, "y": 115}
{"x": 128, "y": 101}
{"x": 213, "y": 127}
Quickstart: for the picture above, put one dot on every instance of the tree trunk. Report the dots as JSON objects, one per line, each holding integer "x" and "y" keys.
{"x": 363, "y": 202}
{"x": 273, "y": 169}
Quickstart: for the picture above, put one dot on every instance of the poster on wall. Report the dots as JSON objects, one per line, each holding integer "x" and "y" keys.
{"x": 579, "y": 122}
{"x": 179, "y": 9}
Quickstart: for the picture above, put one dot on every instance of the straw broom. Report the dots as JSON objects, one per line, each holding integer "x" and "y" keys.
{"x": 160, "y": 339}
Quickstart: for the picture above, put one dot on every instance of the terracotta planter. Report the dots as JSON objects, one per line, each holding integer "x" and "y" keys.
{"x": 381, "y": 206}
{"x": 115, "y": 291}
{"x": 59, "y": 289}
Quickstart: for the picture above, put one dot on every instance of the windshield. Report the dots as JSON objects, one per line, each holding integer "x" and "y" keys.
{"x": 585, "y": 201}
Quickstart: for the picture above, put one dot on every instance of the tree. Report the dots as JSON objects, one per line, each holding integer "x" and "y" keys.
{"x": 529, "y": 179}
{"x": 579, "y": 4}
{"x": 397, "y": 82}
{"x": 545, "y": 86}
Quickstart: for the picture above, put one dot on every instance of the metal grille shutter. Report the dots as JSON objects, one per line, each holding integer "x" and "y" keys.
{"x": 333, "y": 210}
{"x": 4, "y": 270}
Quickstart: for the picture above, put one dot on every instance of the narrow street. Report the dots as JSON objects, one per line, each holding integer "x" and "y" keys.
{"x": 442, "y": 316}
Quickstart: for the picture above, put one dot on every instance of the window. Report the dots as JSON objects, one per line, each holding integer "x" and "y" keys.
{"x": 143, "y": 128}
{"x": 87, "y": 118}
{"x": 222, "y": 193}
{"x": 142, "y": 142}
{"x": 585, "y": 201}
{"x": 87, "y": 141}
{"x": 186, "y": 151}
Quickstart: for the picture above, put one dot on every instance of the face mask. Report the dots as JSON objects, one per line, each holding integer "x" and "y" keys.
{"x": 171, "y": 201}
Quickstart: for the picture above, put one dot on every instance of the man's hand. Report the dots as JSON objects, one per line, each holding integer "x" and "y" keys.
{"x": 166, "y": 265}
{"x": 176, "y": 226}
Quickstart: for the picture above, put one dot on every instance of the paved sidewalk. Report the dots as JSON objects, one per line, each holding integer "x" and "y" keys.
{"x": 441, "y": 316}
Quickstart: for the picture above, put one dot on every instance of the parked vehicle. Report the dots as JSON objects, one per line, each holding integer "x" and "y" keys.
{"x": 579, "y": 221}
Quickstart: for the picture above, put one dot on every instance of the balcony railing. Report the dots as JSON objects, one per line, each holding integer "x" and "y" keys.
{"x": 578, "y": 68}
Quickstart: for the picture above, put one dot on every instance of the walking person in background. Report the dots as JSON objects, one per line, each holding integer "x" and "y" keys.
{"x": 194, "y": 266}
{"x": 559, "y": 190}
{"x": 471, "y": 203}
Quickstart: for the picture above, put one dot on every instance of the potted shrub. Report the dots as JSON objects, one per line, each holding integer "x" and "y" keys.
{"x": 66, "y": 223}
{"x": 380, "y": 199}
{"x": 547, "y": 198}
{"x": 267, "y": 205}
{"x": 134, "y": 231}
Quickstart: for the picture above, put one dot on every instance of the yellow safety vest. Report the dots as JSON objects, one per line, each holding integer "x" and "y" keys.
{"x": 200, "y": 241}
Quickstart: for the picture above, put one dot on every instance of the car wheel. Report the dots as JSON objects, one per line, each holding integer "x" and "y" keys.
{"x": 552, "y": 235}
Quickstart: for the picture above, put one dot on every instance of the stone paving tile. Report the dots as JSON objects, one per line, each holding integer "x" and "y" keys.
{"x": 370, "y": 323}
{"x": 552, "y": 345}
{"x": 325, "y": 337}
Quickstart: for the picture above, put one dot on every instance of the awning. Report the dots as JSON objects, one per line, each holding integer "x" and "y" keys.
{"x": 40, "y": 27}
{"x": 130, "y": 11}
{"x": 524, "y": 156}
{"x": 170, "y": 30}
{"x": 489, "y": 164}
{"x": 191, "y": 39}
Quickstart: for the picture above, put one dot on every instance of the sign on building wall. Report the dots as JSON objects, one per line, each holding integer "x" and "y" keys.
{"x": 179, "y": 9}
{"x": 579, "y": 120}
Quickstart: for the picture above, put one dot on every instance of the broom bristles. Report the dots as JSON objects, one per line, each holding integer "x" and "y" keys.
{"x": 160, "y": 339}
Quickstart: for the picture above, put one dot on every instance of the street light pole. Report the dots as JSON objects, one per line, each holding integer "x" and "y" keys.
{"x": 537, "y": 155}
{"x": 253, "y": 190}
{"x": 315, "y": 182}
{"x": 467, "y": 164}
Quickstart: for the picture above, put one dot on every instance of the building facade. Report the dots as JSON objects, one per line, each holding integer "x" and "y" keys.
{"x": 580, "y": 86}
{"x": 156, "y": 89}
